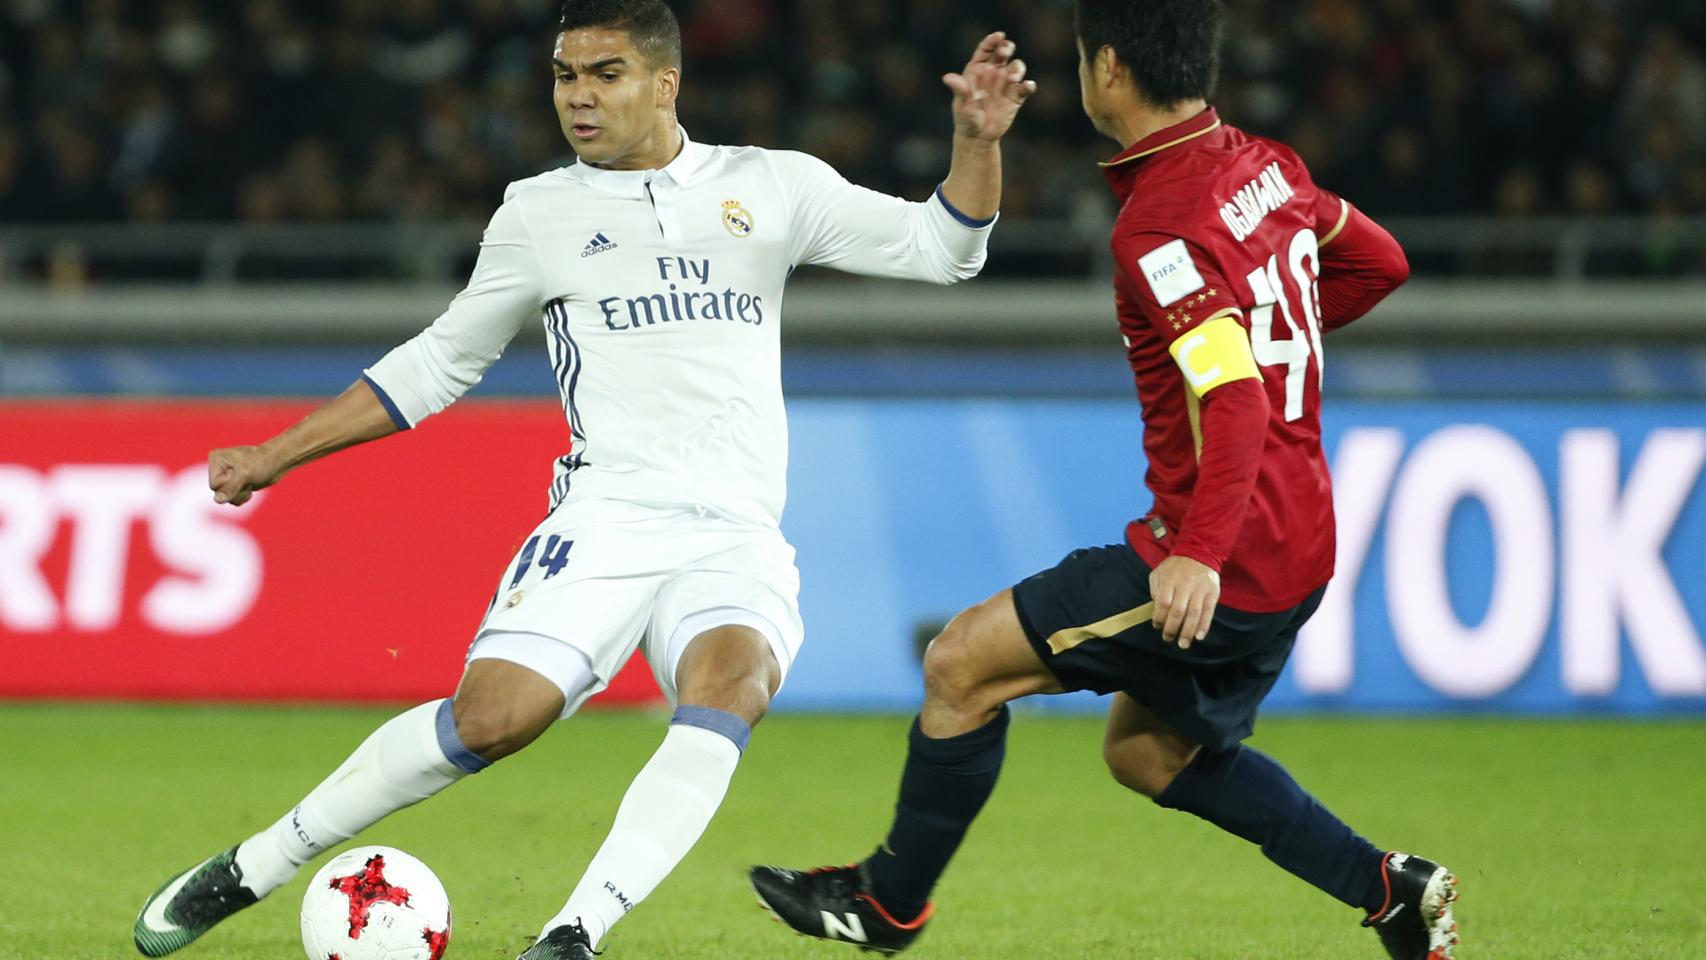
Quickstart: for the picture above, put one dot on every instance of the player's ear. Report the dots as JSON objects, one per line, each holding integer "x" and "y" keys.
{"x": 668, "y": 86}
{"x": 1109, "y": 68}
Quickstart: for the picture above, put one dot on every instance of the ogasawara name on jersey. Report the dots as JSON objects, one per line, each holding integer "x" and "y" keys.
{"x": 1258, "y": 198}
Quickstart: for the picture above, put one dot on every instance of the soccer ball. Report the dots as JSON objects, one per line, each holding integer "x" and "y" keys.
{"x": 375, "y": 903}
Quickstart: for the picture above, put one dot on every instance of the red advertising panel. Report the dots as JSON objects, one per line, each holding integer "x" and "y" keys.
{"x": 360, "y": 577}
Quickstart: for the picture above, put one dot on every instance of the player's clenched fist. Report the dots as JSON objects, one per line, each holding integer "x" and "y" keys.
{"x": 1185, "y": 594}
{"x": 989, "y": 92}
{"x": 235, "y": 473}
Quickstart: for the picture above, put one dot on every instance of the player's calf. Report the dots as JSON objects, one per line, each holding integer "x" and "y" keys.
{"x": 981, "y": 661}
{"x": 1142, "y": 753}
{"x": 724, "y": 679}
{"x": 1140, "y": 772}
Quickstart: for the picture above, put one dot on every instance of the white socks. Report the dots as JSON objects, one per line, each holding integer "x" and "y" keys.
{"x": 417, "y": 754}
{"x": 413, "y": 756}
{"x": 664, "y": 813}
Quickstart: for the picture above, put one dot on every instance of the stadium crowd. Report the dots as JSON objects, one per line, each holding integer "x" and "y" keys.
{"x": 332, "y": 110}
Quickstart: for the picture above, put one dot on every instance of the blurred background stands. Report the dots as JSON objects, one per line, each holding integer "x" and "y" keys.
{"x": 261, "y": 112}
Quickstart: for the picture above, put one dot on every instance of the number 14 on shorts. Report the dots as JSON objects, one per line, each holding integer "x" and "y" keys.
{"x": 552, "y": 559}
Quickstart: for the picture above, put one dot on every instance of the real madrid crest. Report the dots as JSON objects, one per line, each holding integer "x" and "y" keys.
{"x": 736, "y": 220}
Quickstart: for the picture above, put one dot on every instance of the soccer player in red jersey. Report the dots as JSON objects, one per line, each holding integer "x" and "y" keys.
{"x": 1232, "y": 266}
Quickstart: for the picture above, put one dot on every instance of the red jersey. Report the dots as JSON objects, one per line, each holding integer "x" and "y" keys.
{"x": 1232, "y": 264}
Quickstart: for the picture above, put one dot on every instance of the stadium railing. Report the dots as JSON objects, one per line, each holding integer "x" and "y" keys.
{"x": 1476, "y": 279}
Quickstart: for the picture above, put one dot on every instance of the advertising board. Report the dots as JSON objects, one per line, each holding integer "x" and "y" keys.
{"x": 1538, "y": 557}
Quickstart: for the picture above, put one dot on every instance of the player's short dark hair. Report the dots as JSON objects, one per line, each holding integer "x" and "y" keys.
{"x": 1170, "y": 47}
{"x": 652, "y": 24}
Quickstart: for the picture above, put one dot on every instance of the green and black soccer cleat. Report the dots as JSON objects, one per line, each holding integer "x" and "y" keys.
{"x": 191, "y": 903}
{"x": 1416, "y": 922}
{"x": 562, "y": 943}
{"x": 833, "y": 903}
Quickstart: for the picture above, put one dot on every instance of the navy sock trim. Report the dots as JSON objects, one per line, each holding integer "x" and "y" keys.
{"x": 720, "y": 722}
{"x": 451, "y": 743}
{"x": 1176, "y": 795}
{"x": 969, "y": 752}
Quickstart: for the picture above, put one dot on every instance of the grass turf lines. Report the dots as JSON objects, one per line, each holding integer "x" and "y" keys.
{"x": 1573, "y": 839}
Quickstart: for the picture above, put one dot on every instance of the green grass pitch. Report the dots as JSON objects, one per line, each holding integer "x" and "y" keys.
{"x": 1573, "y": 839}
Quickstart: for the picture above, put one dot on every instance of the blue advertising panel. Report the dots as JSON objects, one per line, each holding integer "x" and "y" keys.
{"x": 1511, "y": 557}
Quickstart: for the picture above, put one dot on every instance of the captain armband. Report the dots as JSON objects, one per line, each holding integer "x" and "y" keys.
{"x": 1215, "y": 353}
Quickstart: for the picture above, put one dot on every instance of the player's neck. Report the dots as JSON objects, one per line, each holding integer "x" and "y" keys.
{"x": 657, "y": 152}
{"x": 1141, "y": 120}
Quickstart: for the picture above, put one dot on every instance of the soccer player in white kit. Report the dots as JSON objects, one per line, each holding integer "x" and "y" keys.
{"x": 657, "y": 266}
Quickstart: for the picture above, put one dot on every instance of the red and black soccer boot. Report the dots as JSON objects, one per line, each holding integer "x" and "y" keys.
{"x": 1416, "y": 921}
{"x": 834, "y": 903}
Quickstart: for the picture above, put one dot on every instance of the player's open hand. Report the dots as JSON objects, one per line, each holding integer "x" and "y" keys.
{"x": 1185, "y": 593}
{"x": 990, "y": 91}
{"x": 235, "y": 473}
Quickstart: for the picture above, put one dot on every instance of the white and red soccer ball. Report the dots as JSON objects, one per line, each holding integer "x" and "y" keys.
{"x": 375, "y": 903}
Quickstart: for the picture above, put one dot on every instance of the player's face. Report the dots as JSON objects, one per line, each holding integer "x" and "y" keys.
{"x": 616, "y": 108}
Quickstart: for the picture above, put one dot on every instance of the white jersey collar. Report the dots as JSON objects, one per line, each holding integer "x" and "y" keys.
{"x": 633, "y": 182}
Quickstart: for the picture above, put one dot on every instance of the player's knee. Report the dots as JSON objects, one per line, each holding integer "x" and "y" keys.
{"x": 1144, "y": 766}
{"x": 493, "y": 731}
{"x": 745, "y": 694}
{"x": 952, "y": 671}
{"x": 733, "y": 671}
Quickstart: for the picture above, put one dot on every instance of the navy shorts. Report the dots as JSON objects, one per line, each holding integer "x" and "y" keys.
{"x": 1086, "y": 618}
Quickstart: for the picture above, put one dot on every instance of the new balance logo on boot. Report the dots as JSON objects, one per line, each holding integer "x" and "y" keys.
{"x": 834, "y": 903}
{"x": 846, "y": 927}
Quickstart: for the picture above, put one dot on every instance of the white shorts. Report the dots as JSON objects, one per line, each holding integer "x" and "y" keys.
{"x": 599, "y": 578}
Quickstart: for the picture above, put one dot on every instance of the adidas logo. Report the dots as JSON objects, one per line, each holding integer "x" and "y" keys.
{"x": 599, "y": 244}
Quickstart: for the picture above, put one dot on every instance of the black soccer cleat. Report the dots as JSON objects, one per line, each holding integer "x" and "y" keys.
{"x": 562, "y": 943}
{"x": 833, "y": 903}
{"x": 190, "y": 904}
{"x": 1416, "y": 921}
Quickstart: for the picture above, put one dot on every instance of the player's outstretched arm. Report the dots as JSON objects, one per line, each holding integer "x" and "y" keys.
{"x": 987, "y": 98}
{"x": 354, "y": 416}
{"x": 943, "y": 240}
{"x": 413, "y": 381}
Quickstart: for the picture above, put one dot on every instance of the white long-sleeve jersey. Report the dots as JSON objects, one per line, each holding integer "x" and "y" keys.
{"x": 661, "y": 297}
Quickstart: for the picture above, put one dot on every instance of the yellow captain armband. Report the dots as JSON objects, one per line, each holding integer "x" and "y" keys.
{"x": 1215, "y": 353}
